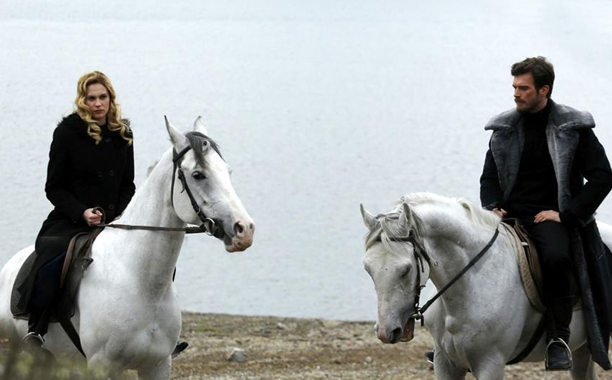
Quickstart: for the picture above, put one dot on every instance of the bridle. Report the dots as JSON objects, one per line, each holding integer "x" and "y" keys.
{"x": 208, "y": 225}
{"x": 421, "y": 255}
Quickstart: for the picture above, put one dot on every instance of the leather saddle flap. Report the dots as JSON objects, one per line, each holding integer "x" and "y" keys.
{"x": 529, "y": 263}
{"x": 78, "y": 258}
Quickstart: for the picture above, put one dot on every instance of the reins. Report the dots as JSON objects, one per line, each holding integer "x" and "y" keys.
{"x": 208, "y": 225}
{"x": 187, "y": 230}
{"x": 419, "y": 250}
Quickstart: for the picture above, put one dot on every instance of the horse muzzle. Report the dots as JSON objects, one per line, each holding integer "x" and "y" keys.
{"x": 243, "y": 237}
{"x": 395, "y": 334}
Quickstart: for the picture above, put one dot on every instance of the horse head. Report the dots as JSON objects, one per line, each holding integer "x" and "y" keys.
{"x": 205, "y": 193}
{"x": 394, "y": 262}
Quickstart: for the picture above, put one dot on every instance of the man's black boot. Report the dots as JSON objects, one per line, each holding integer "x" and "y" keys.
{"x": 180, "y": 347}
{"x": 558, "y": 353}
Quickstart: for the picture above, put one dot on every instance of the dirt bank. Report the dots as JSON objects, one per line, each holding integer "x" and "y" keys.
{"x": 288, "y": 348}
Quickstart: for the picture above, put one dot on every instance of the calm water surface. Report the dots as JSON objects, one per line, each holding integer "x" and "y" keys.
{"x": 318, "y": 106}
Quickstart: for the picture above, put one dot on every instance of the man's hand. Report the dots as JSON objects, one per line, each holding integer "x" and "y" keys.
{"x": 92, "y": 217}
{"x": 500, "y": 212}
{"x": 543, "y": 216}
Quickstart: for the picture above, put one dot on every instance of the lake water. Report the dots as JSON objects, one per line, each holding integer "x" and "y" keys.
{"x": 318, "y": 106}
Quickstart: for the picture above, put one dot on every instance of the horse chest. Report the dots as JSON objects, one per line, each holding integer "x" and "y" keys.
{"x": 135, "y": 343}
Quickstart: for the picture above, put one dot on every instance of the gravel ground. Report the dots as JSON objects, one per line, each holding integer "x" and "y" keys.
{"x": 287, "y": 348}
{"x": 290, "y": 348}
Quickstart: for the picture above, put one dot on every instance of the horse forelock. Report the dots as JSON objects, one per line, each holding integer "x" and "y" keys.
{"x": 390, "y": 226}
{"x": 200, "y": 144}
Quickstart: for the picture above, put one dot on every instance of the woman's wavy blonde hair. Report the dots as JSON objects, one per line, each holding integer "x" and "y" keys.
{"x": 114, "y": 122}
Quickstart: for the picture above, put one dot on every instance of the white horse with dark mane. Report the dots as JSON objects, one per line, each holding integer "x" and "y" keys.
{"x": 483, "y": 320}
{"x": 128, "y": 315}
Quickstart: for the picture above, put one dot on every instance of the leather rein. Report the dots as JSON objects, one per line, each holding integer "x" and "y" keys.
{"x": 208, "y": 225}
{"x": 421, "y": 255}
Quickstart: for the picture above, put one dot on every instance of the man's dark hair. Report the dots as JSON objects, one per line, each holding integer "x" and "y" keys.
{"x": 542, "y": 71}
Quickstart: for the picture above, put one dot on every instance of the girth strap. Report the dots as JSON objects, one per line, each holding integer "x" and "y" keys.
{"x": 532, "y": 342}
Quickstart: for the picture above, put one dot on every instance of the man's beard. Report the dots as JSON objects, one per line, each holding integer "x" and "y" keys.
{"x": 524, "y": 107}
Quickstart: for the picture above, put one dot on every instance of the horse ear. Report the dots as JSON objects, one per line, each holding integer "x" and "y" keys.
{"x": 175, "y": 135}
{"x": 368, "y": 219}
{"x": 406, "y": 215}
{"x": 199, "y": 126}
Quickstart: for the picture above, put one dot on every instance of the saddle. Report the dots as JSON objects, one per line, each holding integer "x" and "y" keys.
{"x": 529, "y": 266}
{"x": 529, "y": 263}
{"x": 78, "y": 258}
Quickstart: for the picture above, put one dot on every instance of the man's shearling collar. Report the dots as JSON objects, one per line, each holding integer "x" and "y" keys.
{"x": 562, "y": 116}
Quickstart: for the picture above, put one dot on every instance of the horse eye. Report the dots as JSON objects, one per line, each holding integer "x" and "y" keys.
{"x": 406, "y": 271}
{"x": 198, "y": 175}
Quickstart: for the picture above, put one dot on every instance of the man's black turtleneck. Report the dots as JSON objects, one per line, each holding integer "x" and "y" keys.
{"x": 535, "y": 189}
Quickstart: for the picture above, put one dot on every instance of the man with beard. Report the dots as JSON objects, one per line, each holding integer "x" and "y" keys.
{"x": 539, "y": 155}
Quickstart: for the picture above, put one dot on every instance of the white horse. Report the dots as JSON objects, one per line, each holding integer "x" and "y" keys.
{"x": 128, "y": 315}
{"x": 482, "y": 321}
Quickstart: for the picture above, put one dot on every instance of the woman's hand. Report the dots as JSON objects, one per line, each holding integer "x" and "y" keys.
{"x": 92, "y": 217}
{"x": 543, "y": 216}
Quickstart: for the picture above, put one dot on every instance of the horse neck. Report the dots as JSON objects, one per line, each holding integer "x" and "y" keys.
{"x": 452, "y": 242}
{"x": 152, "y": 255}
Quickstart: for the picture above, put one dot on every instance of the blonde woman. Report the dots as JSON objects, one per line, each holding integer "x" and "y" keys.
{"x": 91, "y": 165}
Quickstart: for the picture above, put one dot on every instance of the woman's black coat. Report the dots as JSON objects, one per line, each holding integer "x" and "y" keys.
{"x": 81, "y": 174}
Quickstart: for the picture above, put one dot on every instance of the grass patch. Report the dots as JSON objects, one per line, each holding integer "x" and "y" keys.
{"x": 18, "y": 365}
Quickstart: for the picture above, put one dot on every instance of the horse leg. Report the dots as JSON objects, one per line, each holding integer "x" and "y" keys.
{"x": 489, "y": 371}
{"x": 161, "y": 371}
{"x": 99, "y": 361}
{"x": 446, "y": 369}
{"x": 584, "y": 367}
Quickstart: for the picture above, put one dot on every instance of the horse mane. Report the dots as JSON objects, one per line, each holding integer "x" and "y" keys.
{"x": 476, "y": 215}
{"x": 387, "y": 226}
{"x": 150, "y": 168}
{"x": 200, "y": 143}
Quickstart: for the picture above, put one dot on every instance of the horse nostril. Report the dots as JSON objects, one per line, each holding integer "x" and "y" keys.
{"x": 251, "y": 226}
{"x": 395, "y": 335}
{"x": 238, "y": 228}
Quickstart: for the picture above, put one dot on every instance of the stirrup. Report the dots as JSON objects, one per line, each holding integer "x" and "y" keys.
{"x": 34, "y": 336}
{"x": 567, "y": 348}
{"x": 430, "y": 357}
